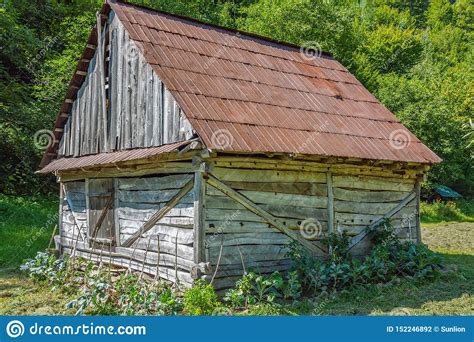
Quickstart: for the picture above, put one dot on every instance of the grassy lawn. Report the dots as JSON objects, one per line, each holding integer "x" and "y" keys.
{"x": 452, "y": 294}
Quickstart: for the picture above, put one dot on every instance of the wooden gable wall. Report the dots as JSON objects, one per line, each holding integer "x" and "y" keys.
{"x": 128, "y": 108}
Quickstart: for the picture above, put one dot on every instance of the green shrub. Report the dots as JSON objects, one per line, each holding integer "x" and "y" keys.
{"x": 45, "y": 267}
{"x": 388, "y": 260}
{"x": 256, "y": 289}
{"x": 446, "y": 211}
{"x": 200, "y": 300}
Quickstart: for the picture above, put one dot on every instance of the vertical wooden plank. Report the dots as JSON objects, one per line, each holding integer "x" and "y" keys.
{"x": 167, "y": 113}
{"x": 417, "y": 214}
{"x": 176, "y": 121}
{"x": 331, "y": 227}
{"x": 127, "y": 91}
{"x": 149, "y": 106}
{"x": 113, "y": 62}
{"x": 199, "y": 215}
{"x": 94, "y": 112}
{"x": 60, "y": 218}
{"x": 82, "y": 119}
{"x": 120, "y": 85}
{"x": 66, "y": 137}
{"x": 155, "y": 131}
{"x": 89, "y": 116}
{"x": 86, "y": 191}
{"x": 102, "y": 133}
{"x": 116, "y": 208}
{"x": 76, "y": 129}
{"x": 161, "y": 111}
{"x": 68, "y": 141}
{"x": 141, "y": 101}
{"x": 72, "y": 131}
{"x": 134, "y": 69}
{"x": 61, "y": 144}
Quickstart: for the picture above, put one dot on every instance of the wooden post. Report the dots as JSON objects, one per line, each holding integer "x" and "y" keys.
{"x": 417, "y": 214}
{"x": 157, "y": 276}
{"x": 86, "y": 191}
{"x": 331, "y": 227}
{"x": 60, "y": 218}
{"x": 199, "y": 214}
{"x": 116, "y": 208}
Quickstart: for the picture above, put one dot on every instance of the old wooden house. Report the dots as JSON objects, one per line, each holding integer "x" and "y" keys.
{"x": 188, "y": 150}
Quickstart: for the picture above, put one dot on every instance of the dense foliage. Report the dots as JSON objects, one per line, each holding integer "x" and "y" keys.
{"x": 388, "y": 262}
{"x": 415, "y": 56}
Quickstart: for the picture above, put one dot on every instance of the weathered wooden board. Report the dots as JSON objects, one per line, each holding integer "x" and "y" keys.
{"x": 154, "y": 183}
{"x": 278, "y": 198}
{"x": 373, "y": 183}
{"x": 250, "y": 253}
{"x": 369, "y": 196}
{"x": 311, "y": 189}
{"x": 267, "y": 176}
{"x": 372, "y": 208}
{"x": 289, "y": 211}
{"x": 144, "y": 214}
{"x": 247, "y": 239}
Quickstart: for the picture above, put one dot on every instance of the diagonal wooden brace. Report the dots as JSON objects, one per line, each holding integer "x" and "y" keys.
{"x": 239, "y": 198}
{"x": 359, "y": 237}
{"x": 159, "y": 214}
{"x": 102, "y": 215}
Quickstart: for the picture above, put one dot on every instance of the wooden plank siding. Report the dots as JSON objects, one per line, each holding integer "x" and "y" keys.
{"x": 168, "y": 244}
{"x": 309, "y": 202}
{"x": 140, "y": 112}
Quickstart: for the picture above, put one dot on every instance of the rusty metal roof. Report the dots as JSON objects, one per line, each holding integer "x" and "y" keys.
{"x": 245, "y": 93}
{"x": 112, "y": 158}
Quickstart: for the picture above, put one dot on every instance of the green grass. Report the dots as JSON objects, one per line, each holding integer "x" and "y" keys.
{"x": 459, "y": 211}
{"x": 26, "y": 226}
{"x": 451, "y": 294}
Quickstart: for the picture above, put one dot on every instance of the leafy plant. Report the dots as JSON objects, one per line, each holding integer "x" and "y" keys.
{"x": 45, "y": 267}
{"x": 200, "y": 300}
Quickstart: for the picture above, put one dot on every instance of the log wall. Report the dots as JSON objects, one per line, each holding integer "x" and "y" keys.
{"x": 309, "y": 198}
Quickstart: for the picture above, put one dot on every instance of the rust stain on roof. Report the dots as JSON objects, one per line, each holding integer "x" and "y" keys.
{"x": 265, "y": 96}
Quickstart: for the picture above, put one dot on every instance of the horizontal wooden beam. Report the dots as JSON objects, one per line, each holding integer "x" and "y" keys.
{"x": 120, "y": 170}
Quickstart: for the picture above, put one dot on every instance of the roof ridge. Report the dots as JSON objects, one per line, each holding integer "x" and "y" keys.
{"x": 235, "y": 31}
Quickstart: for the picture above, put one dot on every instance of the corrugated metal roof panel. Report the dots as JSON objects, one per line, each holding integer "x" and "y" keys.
{"x": 101, "y": 159}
